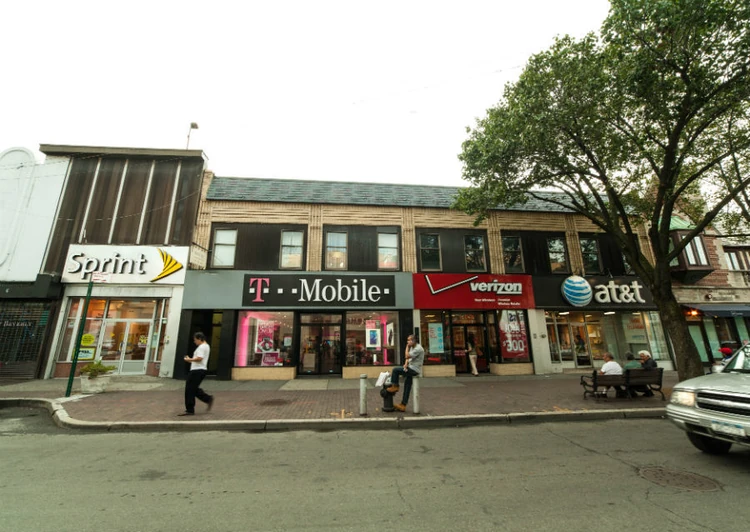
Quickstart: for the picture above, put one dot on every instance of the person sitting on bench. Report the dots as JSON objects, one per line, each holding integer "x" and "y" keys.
{"x": 611, "y": 367}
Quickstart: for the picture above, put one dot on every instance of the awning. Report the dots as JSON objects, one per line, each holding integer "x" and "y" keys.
{"x": 722, "y": 311}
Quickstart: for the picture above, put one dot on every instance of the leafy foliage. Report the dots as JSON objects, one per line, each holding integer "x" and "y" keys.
{"x": 644, "y": 120}
{"x": 96, "y": 368}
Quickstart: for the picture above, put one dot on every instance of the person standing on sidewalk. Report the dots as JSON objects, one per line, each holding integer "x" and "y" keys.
{"x": 471, "y": 347}
{"x": 412, "y": 366}
{"x": 198, "y": 371}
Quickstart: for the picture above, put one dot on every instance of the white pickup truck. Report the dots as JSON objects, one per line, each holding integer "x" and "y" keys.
{"x": 714, "y": 410}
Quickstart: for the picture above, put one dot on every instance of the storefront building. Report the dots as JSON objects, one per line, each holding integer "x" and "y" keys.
{"x": 587, "y": 317}
{"x": 453, "y": 309}
{"x": 133, "y": 310}
{"x": 284, "y": 325}
{"x": 29, "y": 192}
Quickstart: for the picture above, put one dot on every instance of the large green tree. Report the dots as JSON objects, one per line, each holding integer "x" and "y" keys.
{"x": 645, "y": 119}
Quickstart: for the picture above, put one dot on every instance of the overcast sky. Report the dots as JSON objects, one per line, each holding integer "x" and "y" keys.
{"x": 337, "y": 90}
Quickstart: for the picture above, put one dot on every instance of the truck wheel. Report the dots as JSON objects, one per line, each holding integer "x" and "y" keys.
{"x": 709, "y": 445}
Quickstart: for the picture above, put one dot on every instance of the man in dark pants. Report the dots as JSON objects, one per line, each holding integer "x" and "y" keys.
{"x": 412, "y": 367}
{"x": 198, "y": 371}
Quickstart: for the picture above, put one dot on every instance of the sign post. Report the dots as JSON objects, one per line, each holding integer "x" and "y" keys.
{"x": 79, "y": 337}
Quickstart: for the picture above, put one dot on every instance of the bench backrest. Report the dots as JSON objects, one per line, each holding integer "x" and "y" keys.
{"x": 607, "y": 380}
{"x": 644, "y": 376}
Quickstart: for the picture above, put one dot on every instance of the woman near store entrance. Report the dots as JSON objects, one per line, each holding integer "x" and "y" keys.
{"x": 471, "y": 347}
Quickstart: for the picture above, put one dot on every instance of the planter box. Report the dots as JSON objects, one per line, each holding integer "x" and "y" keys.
{"x": 95, "y": 385}
{"x": 261, "y": 373}
{"x": 513, "y": 369}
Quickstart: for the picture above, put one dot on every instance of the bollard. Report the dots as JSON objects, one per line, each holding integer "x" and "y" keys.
{"x": 363, "y": 394}
{"x": 415, "y": 393}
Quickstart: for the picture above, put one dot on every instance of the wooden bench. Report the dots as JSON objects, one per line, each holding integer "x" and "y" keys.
{"x": 631, "y": 380}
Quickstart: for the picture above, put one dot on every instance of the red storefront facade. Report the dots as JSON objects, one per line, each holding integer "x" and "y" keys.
{"x": 453, "y": 309}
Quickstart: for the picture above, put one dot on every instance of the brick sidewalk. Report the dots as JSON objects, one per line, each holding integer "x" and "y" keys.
{"x": 237, "y": 402}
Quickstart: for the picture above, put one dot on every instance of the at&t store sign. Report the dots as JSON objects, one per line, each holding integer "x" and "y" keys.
{"x": 611, "y": 293}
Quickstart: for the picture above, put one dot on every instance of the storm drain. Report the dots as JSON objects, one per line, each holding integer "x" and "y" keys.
{"x": 274, "y": 402}
{"x": 670, "y": 478}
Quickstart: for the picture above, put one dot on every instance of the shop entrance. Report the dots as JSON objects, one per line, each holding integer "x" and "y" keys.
{"x": 125, "y": 344}
{"x": 320, "y": 351}
{"x": 461, "y": 336}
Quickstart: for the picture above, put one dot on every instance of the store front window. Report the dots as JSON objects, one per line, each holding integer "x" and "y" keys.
{"x": 264, "y": 339}
{"x": 372, "y": 339}
{"x": 514, "y": 340}
{"x": 582, "y": 338}
{"x": 126, "y": 333}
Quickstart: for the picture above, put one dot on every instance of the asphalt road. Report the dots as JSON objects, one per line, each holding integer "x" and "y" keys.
{"x": 623, "y": 474}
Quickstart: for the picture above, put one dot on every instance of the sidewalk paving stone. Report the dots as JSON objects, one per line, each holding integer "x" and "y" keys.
{"x": 300, "y": 402}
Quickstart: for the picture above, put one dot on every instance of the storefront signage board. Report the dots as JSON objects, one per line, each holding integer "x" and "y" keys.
{"x": 126, "y": 264}
{"x": 311, "y": 290}
{"x": 472, "y": 291}
{"x": 591, "y": 292}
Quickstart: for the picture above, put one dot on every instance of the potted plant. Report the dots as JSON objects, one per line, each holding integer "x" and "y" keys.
{"x": 95, "y": 377}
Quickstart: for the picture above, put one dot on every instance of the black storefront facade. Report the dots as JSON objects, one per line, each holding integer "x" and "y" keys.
{"x": 281, "y": 326}
{"x": 586, "y": 317}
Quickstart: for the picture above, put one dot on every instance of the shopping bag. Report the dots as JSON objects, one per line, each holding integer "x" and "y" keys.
{"x": 382, "y": 377}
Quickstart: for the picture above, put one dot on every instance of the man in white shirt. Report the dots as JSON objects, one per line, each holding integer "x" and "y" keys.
{"x": 611, "y": 367}
{"x": 198, "y": 371}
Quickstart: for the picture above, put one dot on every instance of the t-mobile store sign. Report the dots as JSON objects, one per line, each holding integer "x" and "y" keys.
{"x": 472, "y": 291}
{"x": 319, "y": 291}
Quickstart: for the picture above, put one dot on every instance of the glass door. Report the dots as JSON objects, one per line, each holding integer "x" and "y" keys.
{"x": 320, "y": 344}
{"x": 125, "y": 344}
{"x": 581, "y": 345}
{"x": 461, "y": 335}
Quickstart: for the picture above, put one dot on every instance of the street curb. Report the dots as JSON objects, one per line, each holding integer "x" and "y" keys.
{"x": 62, "y": 419}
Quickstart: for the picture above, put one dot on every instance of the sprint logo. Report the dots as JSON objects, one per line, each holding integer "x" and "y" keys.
{"x": 171, "y": 265}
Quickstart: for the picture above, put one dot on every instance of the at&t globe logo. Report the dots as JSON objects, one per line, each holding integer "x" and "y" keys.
{"x": 577, "y": 291}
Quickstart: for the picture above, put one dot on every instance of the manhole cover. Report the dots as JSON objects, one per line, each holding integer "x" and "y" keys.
{"x": 678, "y": 479}
{"x": 274, "y": 402}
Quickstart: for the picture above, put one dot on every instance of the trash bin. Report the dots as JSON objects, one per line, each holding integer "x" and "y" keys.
{"x": 387, "y": 398}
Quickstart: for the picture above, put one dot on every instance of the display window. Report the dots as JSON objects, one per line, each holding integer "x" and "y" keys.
{"x": 264, "y": 339}
{"x": 372, "y": 339}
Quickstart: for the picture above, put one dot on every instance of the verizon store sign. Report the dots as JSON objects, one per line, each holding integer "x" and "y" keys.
{"x": 126, "y": 264}
{"x": 472, "y": 291}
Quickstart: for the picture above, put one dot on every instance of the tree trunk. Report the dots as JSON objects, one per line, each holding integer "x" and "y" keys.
{"x": 686, "y": 356}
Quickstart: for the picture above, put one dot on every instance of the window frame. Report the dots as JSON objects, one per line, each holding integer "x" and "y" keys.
{"x": 396, "y": 254}
{"x": 301, "y": 247}
{"x": 506, "y": 254}
{"x": 215, "y": 244}
{"x": 440, "y": 254}
{"x": 595, "y": 240}
{"x": 326, "y": 249}
{"x": 564, "y": 252}
{"x": 484, "y": 253}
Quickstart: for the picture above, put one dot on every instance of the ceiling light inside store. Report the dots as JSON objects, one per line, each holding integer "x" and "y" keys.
{"x": 609, "y": 313}
{"x": 564, "y": 313}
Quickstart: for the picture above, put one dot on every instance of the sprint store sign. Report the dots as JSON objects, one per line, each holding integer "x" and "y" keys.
{"x": 126, "y": 264}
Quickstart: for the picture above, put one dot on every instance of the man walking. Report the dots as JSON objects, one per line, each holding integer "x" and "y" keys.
{"x": 198, "y": 371}
{"x": 412, "y": 366}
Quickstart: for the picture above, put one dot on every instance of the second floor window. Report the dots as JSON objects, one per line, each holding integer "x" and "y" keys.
{"x": 512, "y": 255}
{"x": 558, "y": 258}
{"x": 336, "y": 251}
{"x": 474, "y": 252}
{"x": 738, "y": 259}
{"x": 590, "y": 253}
{"x": 695, "y": 253}
{"x": 387, "y": 251}
{"x": 291, "y": 249}
{"x": 225, "y": 243}
{"x": 429, "y": 252}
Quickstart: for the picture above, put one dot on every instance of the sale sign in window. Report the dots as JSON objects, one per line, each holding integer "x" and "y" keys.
{"x": 514, "y": 342}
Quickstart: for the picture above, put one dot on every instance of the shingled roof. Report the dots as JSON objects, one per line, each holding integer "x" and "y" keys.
{"x": 348, "y": 193}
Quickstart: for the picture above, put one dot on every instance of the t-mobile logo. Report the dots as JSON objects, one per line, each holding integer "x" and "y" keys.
{"x": 260, "y": 288}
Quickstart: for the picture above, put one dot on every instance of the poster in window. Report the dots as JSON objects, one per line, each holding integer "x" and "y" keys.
{"x": 264, "y": 341}
{"x": 435, "y": 331}
{"x": 390, "y": 335}
{"x": 373, "y": 338}
{"x": 270, "y": 358}
{"x": 513, "y": 339}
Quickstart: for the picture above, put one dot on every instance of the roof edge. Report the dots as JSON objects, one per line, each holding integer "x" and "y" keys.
{"x": 62, "y": 149}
